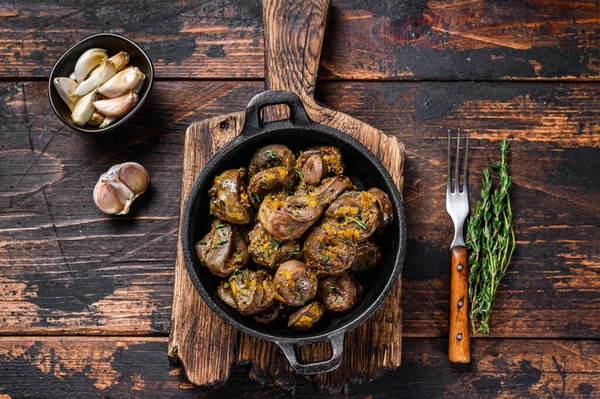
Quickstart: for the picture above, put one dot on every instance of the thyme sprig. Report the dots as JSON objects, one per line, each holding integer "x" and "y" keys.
{"x": 490, "y": 242}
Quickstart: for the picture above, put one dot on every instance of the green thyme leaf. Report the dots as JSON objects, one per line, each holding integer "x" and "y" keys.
{"x": 490, "y": 241}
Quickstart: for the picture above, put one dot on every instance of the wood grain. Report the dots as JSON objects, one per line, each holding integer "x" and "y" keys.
{"x": 137, "y": 367}
{"x": 459, "y": 348}
{"x": 383, "y": 40}
{"x": 552, "y": 289}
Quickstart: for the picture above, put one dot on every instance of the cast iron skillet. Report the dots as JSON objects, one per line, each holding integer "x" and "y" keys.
{"x": 365, "y": 170}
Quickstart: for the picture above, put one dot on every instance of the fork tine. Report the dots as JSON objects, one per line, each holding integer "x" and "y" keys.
{"x": 464, "y": 185}
{"x": 448, "y": 182}
{"x": 457, "y": 161}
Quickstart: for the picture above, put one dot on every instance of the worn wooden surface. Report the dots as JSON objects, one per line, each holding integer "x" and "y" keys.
{"x": 292, "y": 52}
{"x": 366, "y": 39}
{"x": 65, "y": 269}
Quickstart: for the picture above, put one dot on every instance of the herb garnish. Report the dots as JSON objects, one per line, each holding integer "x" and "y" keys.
{"x": 324, "y": 259}
{"x": 299, "y": 173}
{"x": 271, "y": 153}
{"x": 490, "y": 241}
{"x": 362, "y": 224}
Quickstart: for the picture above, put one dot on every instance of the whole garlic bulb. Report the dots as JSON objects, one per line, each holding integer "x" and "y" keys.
{"x": 119, "y": 187}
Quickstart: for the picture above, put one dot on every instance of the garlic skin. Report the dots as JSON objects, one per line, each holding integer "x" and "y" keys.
{"x": 66, "y": 90}
{"x": 105, "y": 71}
{"x": 116, "y": 189}
{"x": 117, "y": 106}
{"x": 121, "y": 59}
{"x": 96, "y": 120}
{"x": 125, "y": 81}
{"x": 84, "y": 109}
{"x": 87, "y": 62}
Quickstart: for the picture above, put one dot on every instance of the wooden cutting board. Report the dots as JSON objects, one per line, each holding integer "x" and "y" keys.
{"x": 200, "y": 341}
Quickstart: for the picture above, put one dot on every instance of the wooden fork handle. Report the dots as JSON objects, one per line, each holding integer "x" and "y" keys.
{"x": 459, "y": 348}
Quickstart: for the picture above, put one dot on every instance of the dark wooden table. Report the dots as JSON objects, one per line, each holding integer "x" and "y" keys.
{"x": 85, "y": 299}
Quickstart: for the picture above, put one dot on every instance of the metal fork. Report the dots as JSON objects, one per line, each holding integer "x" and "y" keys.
{"x": 457, "y": 206}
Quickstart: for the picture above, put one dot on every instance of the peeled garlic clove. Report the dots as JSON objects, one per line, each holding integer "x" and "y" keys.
{"x": 127, "y": 80}
{"x": 87, "y": 62}
{"x": 116, "y": 189}
{"x": 105, "y": 71}
{"x": 84, "y": 109}
{"x": 117, "y": 106}
{"x": 72, "y": 76}
{"x": 107, "y": 121}
{"x": 66, "y": 89}
{"x": 97, "y": 119}
{"x": 120, "y": 60}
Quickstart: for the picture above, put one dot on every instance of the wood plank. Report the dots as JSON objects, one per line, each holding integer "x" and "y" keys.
{"x": 292, "y": 56}
{"x": 114, "y": 275}
{"x": 422, "y": 40}
{"x": 137, "y": 367}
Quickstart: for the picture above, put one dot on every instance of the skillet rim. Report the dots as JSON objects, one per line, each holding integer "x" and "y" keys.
{"x": 208, "y": 170}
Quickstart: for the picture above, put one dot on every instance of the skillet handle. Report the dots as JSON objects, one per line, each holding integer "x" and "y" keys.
{"x": 254, "y": 122}
{"x": 337, "y": 344}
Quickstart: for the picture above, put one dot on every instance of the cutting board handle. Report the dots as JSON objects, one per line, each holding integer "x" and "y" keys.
{"x": 294, "y": 32}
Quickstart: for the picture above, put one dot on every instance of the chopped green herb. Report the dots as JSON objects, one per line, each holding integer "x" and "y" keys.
{"x": 238, "y": 256}
{"x": 271, "y": 154}
{"x": 243, "y": 287}
{"x": 324, "y": 259}
{"x": 290, "y": 228}
{"x": 283, "y": 191}
{"x": 202, "y": 242}
{"x": 362, "y": 224}
{"x": 327, "y": 267}
{"x": 219, "y": 225}
{"x": 276, "y": 244}
{"x": 265, "y": 182}
{"x": 294, "y": 207}
{"x": 257, "y": 198}
{"x": 222, "y": 242}
{"x": 294, "y": 252}
{"x": 299, "y": 173}
{"x": 236, "y": 272}
{"x": 331, "y": 288}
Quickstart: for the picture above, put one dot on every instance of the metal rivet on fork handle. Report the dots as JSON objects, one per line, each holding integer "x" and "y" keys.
{"x": 460, "y": 268}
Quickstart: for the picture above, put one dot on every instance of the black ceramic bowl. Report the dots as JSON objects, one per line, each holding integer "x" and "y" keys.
{"x": 365, "y": 170}
{"x": 112, "y": 44}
